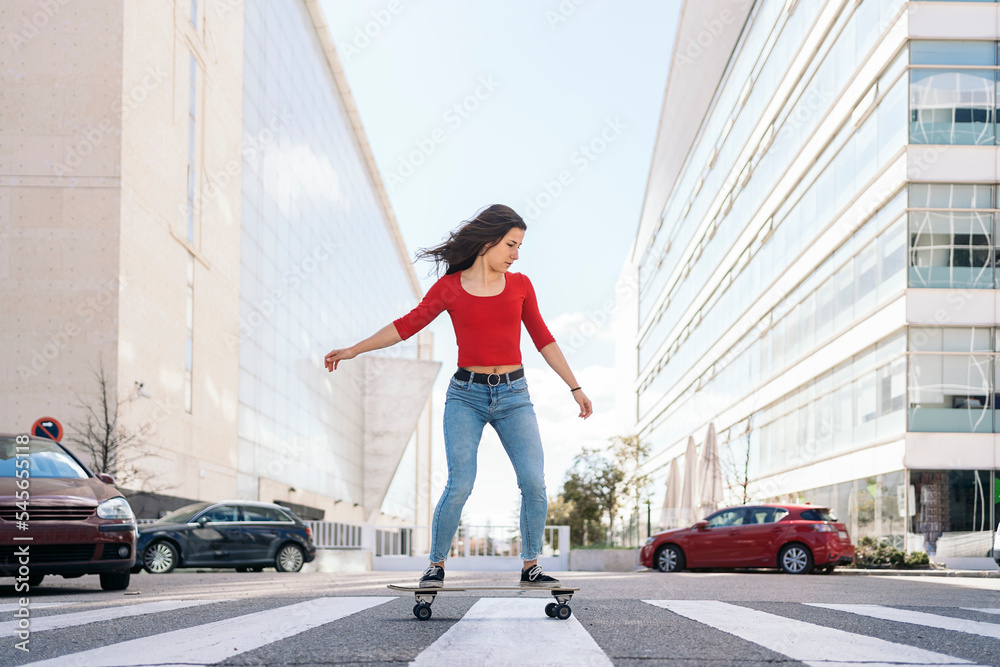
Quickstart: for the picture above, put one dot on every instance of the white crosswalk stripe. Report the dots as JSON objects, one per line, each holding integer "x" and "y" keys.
{"x": 807, "y": 642}
{"x": 213, "y": 642}
{"x": 104, "y": 614}
{"x": 513, "y": 631}
{"x": 982, "y": 611}
{"x": 981, "y": 628}
{"x": 14, "y": 606}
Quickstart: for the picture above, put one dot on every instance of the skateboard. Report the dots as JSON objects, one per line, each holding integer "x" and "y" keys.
{"x": 425, "y": 598}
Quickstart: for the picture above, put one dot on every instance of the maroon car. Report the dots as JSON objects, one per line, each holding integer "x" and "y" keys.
{"x": 58, "y": 517}
{"x": 793, "y": 538}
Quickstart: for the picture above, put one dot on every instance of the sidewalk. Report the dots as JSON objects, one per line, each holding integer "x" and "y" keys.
{"x": 985, "y": 574}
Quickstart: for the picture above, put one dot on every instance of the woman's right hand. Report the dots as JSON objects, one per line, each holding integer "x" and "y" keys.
{"x": 336, "y": 356}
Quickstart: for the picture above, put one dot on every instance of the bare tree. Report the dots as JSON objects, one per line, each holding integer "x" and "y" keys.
{"x": 112, "y": 448}
{"x": 737, "y": 463}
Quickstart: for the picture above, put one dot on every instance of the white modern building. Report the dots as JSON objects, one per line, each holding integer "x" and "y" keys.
{"x": 816, "y": 260}
{"x": 188, "y": 197}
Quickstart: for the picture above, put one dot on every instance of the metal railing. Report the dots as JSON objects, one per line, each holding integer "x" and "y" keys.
{"x": 336, "y": 535}
{"x": 394, "y": 542}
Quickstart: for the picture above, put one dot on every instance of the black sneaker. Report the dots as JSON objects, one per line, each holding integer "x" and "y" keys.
{"x": 433, "y": 577}
{"x": 533, "y": 577}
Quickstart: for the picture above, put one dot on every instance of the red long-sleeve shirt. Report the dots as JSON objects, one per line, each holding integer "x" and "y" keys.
{"x": 487, "y": 328}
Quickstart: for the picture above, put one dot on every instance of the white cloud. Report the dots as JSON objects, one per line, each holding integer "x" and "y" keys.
{"x": 577, "y": 327}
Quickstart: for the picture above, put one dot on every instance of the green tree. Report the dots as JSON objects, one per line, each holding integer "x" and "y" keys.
{"x": 578, "y": 507}
{"x": 630, "y": 453}
{"x": 603, "y": 479}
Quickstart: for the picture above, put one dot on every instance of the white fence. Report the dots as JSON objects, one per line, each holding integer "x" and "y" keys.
{"x": 336, "y": 535}
{"x": 478, "y": 548}
{"x": 398, "y": 548}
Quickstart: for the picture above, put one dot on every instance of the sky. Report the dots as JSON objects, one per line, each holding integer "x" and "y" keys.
{"x": 550, "y": 107}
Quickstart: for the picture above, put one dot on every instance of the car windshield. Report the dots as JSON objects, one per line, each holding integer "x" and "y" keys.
{"x": 819, "y": 514}
{"x": 45, "y": 459}
{"x": 182, "y": 515}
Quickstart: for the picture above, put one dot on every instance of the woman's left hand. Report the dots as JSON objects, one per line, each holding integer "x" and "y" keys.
{"x": 586, "y": 407}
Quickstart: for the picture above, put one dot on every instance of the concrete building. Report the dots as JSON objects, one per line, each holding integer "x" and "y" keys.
{"x": 815, "y": 261}
{"x": 188, "y": 198}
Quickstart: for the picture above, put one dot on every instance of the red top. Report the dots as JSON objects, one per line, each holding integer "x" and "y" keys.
{"x": 487, "y": 328}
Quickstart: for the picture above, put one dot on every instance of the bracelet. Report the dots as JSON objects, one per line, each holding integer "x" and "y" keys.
{"x": 572, "y": 390}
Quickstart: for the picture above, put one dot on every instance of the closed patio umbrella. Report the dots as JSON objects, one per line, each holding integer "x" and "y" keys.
{"x": 672, "y": 498}
{"x": 689, "y": 493}
{"x": 710, "y": 477}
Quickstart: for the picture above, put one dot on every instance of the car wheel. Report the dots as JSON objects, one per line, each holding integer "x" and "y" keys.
{"x": 115, "y": 581}
{"x": 669, "y": 559}
{"x": 35, "y": 579}
{"x": 289, "y": 559}
{"x": 160, "y": 557}
{"x": 795, "y": 559}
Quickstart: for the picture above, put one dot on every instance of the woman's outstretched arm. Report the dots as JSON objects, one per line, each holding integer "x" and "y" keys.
{"x": 554, "y": 357}
{"x": 384, "y": 337}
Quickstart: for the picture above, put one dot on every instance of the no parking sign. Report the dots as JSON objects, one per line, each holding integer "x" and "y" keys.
{"x": 47, "y": 427}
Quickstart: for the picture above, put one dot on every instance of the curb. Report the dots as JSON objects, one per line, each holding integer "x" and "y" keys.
{"x": 978, "y": 574}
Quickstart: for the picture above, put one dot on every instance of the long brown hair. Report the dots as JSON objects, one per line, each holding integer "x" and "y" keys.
{"x": 466, "y": 241}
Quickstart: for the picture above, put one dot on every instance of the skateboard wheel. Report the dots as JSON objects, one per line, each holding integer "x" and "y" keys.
{"x": 550, "y": 610}
{"x": 562, "y": 612}
{"x": 422, "y": 611}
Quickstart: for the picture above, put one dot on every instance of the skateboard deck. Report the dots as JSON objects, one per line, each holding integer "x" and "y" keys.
{"x": 425, "y": 597}
{"x": 416, "y": 589}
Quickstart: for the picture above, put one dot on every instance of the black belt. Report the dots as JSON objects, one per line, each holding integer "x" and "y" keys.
{"x": 463, "y": 374}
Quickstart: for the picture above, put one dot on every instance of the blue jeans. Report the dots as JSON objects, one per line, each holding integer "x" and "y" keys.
{"x": 469, "y": 406}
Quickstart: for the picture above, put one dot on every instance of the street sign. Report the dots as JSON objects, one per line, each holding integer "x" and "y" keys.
{"x": 47, "y": 427}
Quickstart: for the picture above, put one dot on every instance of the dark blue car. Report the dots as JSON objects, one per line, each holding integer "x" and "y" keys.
{"x": 232, "y": 533}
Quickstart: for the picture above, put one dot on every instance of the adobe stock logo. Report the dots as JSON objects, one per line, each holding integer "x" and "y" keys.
{"x": 454, "y": 116}
{"x": 584, "y": 155}
{"x": 31, "y": 27}
{"x": 364, "y": 35}
{"x": 710, "y": 30}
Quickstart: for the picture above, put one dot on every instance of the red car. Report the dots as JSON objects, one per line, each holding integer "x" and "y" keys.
{"x": 793, "y": 538}
{"x": 58, "y": 517}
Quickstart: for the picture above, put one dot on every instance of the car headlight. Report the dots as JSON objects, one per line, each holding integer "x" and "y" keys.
{"x": 649, "y": 540}
{"x": 115, "y": 508}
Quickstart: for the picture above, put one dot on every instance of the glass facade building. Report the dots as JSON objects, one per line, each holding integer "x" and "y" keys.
{"x": 816, "y": 271}
{"x": 319, "y": 265}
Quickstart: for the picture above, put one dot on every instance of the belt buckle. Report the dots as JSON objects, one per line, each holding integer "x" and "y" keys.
{"x": 490, "y": 383}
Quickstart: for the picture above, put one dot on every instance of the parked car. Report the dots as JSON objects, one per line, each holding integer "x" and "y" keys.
{"x": 794, "y": 538}
{"x": 231, "y": 533}
{"x": 77, "y": 521}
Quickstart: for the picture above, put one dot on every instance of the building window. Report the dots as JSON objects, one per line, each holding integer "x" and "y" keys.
{"x": 951, "y": 248}
{"x": 191, "y": 179}
{"x": 189, "y": 326}
{"x": 859, "y": 401}
{"x": 950, "y": 379}
{"x": 953, "y": 511}
{"x": 949, "y": 105}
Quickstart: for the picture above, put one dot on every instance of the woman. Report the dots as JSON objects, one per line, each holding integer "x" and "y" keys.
{"x": 487, "y": 304}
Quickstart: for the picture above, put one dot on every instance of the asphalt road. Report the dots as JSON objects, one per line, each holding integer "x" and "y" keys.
{"x": 641, "y": 618}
